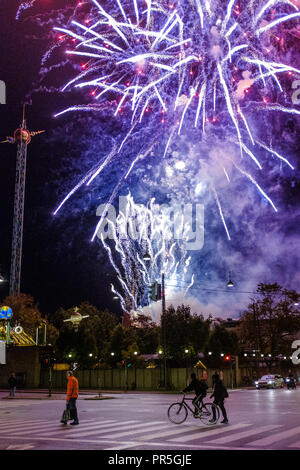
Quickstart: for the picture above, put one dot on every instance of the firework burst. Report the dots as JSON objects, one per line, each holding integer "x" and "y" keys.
{"x": 185, "y": 69}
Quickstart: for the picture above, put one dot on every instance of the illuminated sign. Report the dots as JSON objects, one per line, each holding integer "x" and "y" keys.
{"x": 5, "y": 313}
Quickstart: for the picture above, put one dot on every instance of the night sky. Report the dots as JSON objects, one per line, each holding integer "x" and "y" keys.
{"x": 55, "y": 271}
{"x": 61, "y": 267}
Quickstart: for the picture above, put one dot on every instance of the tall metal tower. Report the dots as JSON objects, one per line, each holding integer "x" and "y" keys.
{"x": 22, "y": 137}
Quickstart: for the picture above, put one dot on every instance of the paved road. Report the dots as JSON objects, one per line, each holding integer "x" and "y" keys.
{"x": 264, "y": 419}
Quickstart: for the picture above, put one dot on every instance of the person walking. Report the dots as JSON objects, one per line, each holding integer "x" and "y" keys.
{"x": 214, "y": 377}
{"x": 219, "y": 394}
{"x": 12, "y": 382}
{"x": 72, "y": 395}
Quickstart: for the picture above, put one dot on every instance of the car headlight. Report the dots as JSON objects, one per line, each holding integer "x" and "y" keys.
{"x": 270, "y": 381}
{"x": 256, "y": 383}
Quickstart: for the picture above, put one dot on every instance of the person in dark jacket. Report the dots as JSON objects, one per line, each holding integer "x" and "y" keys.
{"x": 219, "y": 394}
{"x": 200, "y": 387}
{"x": 215, "y": 376}
{"x": 12, "y": 382}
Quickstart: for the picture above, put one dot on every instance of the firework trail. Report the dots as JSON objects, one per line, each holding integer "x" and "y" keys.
{"x": 138, "y": 230}
{"x": 192, "y": 69}
{"x": 24, "y": 6}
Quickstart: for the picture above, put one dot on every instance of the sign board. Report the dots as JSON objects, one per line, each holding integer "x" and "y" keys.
{"x": 5, "y": 313}
{"x": 61, "y": 367}
{"x": 2, "y": 352}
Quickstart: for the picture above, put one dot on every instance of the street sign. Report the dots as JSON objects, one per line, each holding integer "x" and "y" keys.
{"x": 5, "y": 313}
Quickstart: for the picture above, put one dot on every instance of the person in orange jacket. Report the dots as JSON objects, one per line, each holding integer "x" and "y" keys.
{"x": 72, "y": 395}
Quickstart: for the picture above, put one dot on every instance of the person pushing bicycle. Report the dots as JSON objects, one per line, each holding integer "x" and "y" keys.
{"x": 200, "y": 387}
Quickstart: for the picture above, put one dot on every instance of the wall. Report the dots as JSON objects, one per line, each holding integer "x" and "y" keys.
{"x": 144, "y": 379}
{"x": 24, "y": 361}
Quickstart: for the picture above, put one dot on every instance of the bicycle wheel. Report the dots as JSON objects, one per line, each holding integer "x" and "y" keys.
{"x": 177, "y": 413}
{"x": 209, "y": 414}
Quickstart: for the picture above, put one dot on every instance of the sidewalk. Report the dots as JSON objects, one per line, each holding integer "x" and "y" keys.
{"x": 43, "y": 394}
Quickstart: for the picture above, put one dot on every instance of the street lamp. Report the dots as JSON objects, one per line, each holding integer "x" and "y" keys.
{"x": 146, "y": 257}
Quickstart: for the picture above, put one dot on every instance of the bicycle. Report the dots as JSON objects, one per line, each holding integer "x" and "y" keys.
{"x": 178, "y": 412}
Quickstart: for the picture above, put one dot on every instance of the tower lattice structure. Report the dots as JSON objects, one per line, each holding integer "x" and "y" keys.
{"x": 22, "y": 137}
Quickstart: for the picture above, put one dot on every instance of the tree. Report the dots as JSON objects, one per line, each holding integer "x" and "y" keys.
{"x": 271, "y": 320}
{"x": 87, "y": 345}
{"x": 122, "y": 344}
{"x": 146, "y": 334}
{"x": 222, "y": 341}
{"x": 183, "y": 330}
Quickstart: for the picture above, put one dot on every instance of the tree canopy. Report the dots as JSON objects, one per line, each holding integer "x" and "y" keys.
{"x": 271, "y": 320}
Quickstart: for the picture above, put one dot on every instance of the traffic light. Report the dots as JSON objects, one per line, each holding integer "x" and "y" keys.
{"x": 227, "y": 358}
{"x": 155, "y": 291}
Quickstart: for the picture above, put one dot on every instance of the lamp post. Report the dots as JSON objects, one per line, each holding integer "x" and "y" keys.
{"x": 186, "y": 365}
{"x": 99, "y": 383}
{"x": 112, "y": 370}
{"x": 147, "y": 257}
{"x": 135, "y": 353}
{"x": 163, "y": 303}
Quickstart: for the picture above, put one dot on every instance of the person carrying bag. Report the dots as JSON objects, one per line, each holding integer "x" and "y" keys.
{"x": 66, "y": 416}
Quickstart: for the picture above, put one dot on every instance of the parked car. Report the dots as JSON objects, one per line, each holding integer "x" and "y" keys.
{"x": 270, "y": 381}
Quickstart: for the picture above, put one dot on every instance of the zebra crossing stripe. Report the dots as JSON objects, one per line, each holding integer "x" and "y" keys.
{"x": 14, "y": 424}
{"x": 127, "y": 430}
{"x": 241, "y": 435}
{"x": 150, "y": 427}
{"x": 172, "y": 431}
{"x": 275, "y": 437}
{"x": 200, "y": 435}
{"x": 40, "y": 428}
{"x": 295, "y": 445}
{"x": 91, "y": 428}
{"x": 19, "y": 427}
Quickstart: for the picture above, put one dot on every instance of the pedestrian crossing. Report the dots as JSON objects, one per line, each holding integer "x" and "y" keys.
{"x": 134, "y": 433}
